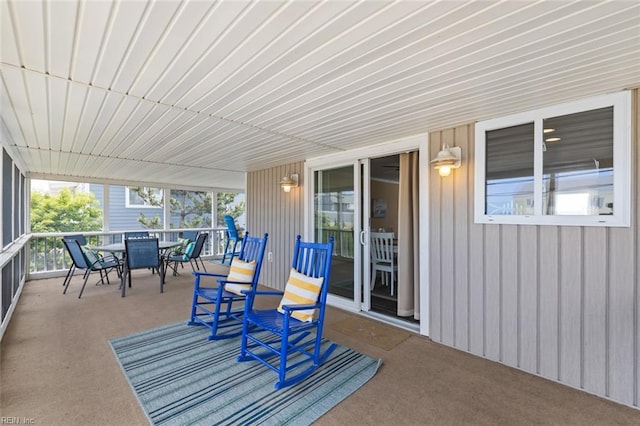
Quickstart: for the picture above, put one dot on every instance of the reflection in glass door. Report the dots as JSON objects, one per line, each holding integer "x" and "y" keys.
{"x": 335, "y": 216}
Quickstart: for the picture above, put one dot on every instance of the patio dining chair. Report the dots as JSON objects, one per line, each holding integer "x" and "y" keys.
{"x": 191, "y": 254}
{"x": 142, "y": 253}
{"x": 89, "y": 261}
{"x": 190, "y": 235}
{"x": 288, "y": 339}
{"x": 212, "y": 306}
{"x": 82, "y": 241}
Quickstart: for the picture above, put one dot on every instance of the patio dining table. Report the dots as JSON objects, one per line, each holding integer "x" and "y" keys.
{"x": 120, "y": 248}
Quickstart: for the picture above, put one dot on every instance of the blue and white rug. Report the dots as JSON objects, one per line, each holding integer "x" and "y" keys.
{"x": 181, "y": 378}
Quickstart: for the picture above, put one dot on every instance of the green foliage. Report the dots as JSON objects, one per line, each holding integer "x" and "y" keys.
{"x": 66, "y": 212}
{"x": 323, "y": 221}
{"x": 193, "y": 208}
{"x": 148, "y": 194}
{"x": 150, "y": 197}
{"x": 154, "y": 222}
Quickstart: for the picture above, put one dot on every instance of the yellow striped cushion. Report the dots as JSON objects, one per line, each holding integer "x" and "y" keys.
{"x": 240, "y": 271}
{"x": 301, "y": 290}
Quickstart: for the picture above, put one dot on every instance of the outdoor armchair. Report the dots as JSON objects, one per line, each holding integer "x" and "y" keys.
{"x": 89, "y": 261}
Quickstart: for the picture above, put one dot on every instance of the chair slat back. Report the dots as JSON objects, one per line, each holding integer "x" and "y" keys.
{"x": 76, "y": 253}
{"x": 253, "y": 249}
{"x": 382, "y": 247}
{"x": 232, "y": 231}
{"x": 142, "y": 253}
{"x": 314, "y": 260}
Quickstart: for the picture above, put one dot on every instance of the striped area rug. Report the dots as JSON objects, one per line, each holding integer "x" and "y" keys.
{"x": 181, "y": 378}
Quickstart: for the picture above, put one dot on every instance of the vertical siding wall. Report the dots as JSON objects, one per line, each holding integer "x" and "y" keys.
{"x": 559, "y": 302}
{"x": 270, "y": 209}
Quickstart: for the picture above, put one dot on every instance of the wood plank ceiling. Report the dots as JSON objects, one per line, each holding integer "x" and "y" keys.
{"x": 197, "y": 93}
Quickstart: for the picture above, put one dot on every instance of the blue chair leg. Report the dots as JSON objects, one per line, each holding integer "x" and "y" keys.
{"x": 226, "y": 250}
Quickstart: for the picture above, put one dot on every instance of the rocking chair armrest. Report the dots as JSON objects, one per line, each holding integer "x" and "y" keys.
{"x": 207, "y": 274}
{"x": 289, "y": 308}
{"x": 223, "y": 282}
{"x": 264, "y": 293}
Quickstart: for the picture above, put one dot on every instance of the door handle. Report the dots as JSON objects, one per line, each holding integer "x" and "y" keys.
{"x": 362, "y": 237}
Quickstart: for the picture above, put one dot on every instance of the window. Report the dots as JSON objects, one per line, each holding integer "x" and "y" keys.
{"x": 190, "y": 209}
{"x": 142, "y": 196}
{"x": 563, "y": 165}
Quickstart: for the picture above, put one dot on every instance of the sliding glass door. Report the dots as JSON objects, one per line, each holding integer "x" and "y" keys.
{"x": 352, "y": 196}
{"x": 336, "y": 214}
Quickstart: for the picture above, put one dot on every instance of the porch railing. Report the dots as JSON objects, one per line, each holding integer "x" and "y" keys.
{"x": 48, "y": 258}
{"x": 343, "y": 241}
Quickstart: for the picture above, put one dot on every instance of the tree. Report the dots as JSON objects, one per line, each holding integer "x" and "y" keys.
{"x": 153, "y": 222}
{"x": 65, "y": 212}
{"x": 193, "y": 208}
{"x": 150, "y": 197}
{"x": 225, "y": 206}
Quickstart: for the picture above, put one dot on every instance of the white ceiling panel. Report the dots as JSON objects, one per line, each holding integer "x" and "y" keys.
{"x": 118, "y": 36}
{"x": 197, "y": 93}
{"x": 91, "y": 31}
{"x": 62, "y": 22}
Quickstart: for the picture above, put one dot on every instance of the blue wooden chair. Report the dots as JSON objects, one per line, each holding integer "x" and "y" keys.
{"x": 213, "y": 306}
{"x": 283, "y": 339}
{"x": 233, "y": 239}
{"x": 191, "y": 254}
{"x": 89, "y": 261}
{"x": 142, "y": 253}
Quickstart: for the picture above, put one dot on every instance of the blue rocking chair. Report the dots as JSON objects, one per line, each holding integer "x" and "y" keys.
{"x": 233, "y": 239}
{"x": 213, "y": 306}
{"x": 289, "y": 346}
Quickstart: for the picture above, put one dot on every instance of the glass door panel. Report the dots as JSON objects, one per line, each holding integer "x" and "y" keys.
{"x": 334, "y": 216}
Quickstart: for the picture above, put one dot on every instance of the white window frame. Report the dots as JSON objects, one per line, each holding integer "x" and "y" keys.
{"x": 621, "y": 103}
{"x": 128, "y": 204}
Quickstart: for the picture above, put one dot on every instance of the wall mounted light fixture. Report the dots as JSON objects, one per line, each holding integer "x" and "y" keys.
{"x": 447, "y": 159}
{"x": 289, "y": 182}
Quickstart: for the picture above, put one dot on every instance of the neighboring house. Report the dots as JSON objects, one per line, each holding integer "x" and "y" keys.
{"x": 122, "y": 214}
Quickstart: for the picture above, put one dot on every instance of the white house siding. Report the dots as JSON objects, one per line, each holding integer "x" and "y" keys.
{"x": 270, "y": 209}
{"x": 559, "y": 302}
